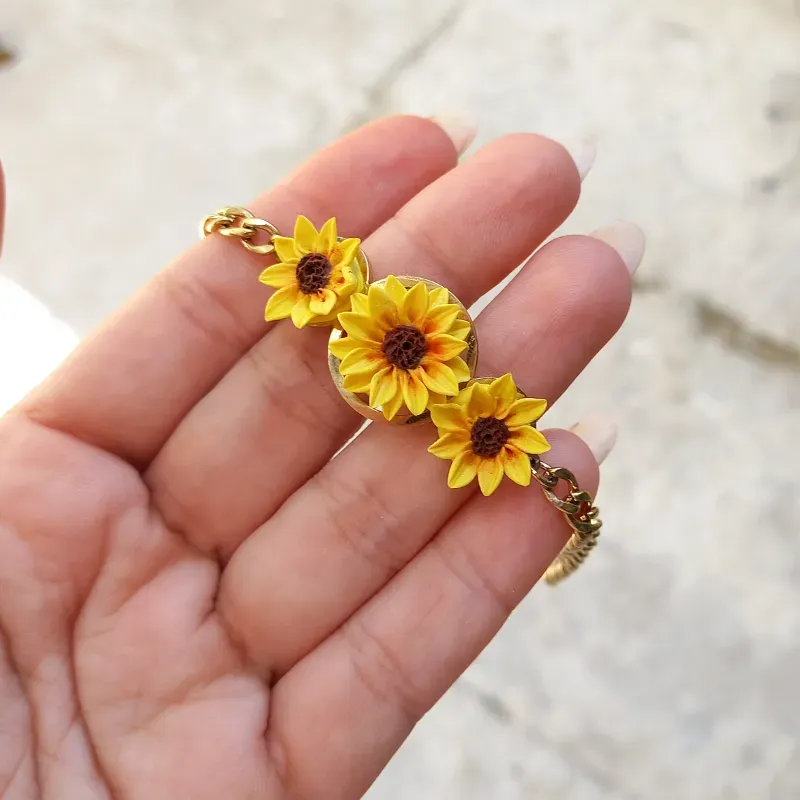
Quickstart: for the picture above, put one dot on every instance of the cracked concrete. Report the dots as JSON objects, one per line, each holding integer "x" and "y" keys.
{"x": 378, "y": 93}
{"x": 736, "y": 335}
{"x": 668, "y": 668}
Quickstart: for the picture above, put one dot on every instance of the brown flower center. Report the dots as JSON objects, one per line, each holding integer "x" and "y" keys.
{"x": 488, "y": 436}
{"x": 313, "y": 273}
{"x": 405, "y": 346}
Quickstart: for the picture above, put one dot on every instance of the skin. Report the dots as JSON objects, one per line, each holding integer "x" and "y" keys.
{"x": 195, "y": 600}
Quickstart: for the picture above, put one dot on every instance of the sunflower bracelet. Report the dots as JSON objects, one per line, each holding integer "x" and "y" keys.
{"x": 404, "y": 350}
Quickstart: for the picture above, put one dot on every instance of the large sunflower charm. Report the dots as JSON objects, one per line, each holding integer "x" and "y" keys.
{"x": 487, "y": 431}
{"x": 316, "y": 275}
{"x": 404, "y": 346}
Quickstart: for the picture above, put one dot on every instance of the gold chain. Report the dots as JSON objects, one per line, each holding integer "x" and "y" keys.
{"x": 239, "y": 223}
{"x": 581, "y": 513}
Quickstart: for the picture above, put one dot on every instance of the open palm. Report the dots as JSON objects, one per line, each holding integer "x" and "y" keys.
{"x": 196, "y": 599}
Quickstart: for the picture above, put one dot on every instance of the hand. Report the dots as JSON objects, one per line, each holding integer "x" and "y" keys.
{"x": 195, "y": 600}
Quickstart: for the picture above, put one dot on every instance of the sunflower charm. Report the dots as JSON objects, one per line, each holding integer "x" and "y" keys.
{"x": 316, "y": 275}
{"x": 408, "y": 344}
{"x": 487, "y": 431}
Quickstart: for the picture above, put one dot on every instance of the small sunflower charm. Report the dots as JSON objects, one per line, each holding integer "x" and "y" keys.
{"x": 316, "y": 276}
{"x": 487, "y": 430}
{"x": 407, "y": 344}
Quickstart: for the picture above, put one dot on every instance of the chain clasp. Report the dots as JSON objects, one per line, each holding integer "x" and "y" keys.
{"x": 578, "y": 508}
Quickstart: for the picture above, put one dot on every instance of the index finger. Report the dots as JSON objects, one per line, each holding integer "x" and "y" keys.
{"x": 128, "y": 386}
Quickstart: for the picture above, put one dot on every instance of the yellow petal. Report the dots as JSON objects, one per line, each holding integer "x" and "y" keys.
{"x": 305, "y": 236}
{"x": 361, "y": 327}
{"x": 529, "y": 440}
{"x": 449, "y": 417}
{"x": 341, "y": 305}
{"x": 322, "y": 302}
{"x": 360, "y": 275}
{"x": 439, "y": 296}
{"x": 358, "y": 303}
{"x": 450, "y": 445}
{"x": 279, "y": 275}
{"x": 344, "y": 252}
{"x": 326, "y": 240}
{"x": 504, "y": 390}
{"x": 415, "y": 393}
{"x": 362, "y": 359}
{"x": 481, "y": 403}
{"x": 280, "y": 305}
{"x": 395, "y": 290}
{"x": 438, "y": 377}
{"x": 460, "y": 329}
{"x": 517, "y": 466}
{"x": 391, "y": 407}
{"x": 343, "y": 281}
{"x": 525, "y": 411}
{"x": 464, "y": 397}
{"x": 344, "y": 345}
{"x": 462, "y": 470}
{"x": 460, "y": 369}
{"x": 301, "y": 312}
{"x": 383, "y": 387}
{"x": 443, "y": 347}
{"x": 381, "y": 308}
{"x": 285, "y": 249}
{"x": 327, "y": 319}
{"x": 357, "y": 383}
{"x": 490, "y": 473}
{"x": 440, "y": 319}
{"x": 415, "y": 305}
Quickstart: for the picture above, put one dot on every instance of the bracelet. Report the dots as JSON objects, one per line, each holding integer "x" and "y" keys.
{"x": 404, "y": 350}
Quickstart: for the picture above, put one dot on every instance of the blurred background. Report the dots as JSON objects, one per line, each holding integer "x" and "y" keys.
{"x": 670, "y": 667}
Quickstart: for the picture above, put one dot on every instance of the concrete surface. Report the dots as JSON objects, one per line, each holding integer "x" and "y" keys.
{"x": 669, "y": 668}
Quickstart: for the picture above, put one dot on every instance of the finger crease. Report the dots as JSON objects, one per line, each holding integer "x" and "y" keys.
{"x": 207, "y": 312}
{"x": 459, "y": 562}
{"x": 382, "y": 673}
{"x": 283, "y": 387}
{"x": 430, "y": 252}
{"x": 359, "y": 518}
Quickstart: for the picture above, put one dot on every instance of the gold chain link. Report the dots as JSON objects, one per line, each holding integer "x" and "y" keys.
{"x": 580, "y": 512}
{"x": 239, "y": 223}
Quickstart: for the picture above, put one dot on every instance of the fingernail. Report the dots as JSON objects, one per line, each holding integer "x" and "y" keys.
{"x": 600, "y": 434}
{"x": 460, "y": 127}
{"x": 627, "y": 239}
{"x": 583, "y": 152}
